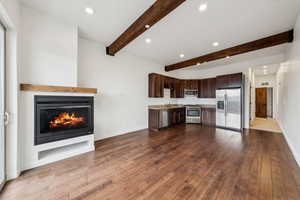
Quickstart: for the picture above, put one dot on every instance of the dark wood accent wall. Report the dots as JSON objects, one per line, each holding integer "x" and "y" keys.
{"x": 271, "y": 41}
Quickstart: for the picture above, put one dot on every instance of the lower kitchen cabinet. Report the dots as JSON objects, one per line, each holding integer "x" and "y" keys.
{"x": 176, "y": 116}
{"x": 159, "y": 119}
{"x": 208, "y": 116}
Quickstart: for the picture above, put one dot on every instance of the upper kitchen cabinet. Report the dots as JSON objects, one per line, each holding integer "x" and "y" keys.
{"x": 191, "y": 84}
{"x": 230, "y": 81}
{"x": 168, "y": 82}
{"x": 207, "y": 88}
{"x": 156, "y": 85}
{"x": 178, "y": 90}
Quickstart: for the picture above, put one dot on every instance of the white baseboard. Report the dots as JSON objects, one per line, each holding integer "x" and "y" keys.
{"x": 292, "y": 148}
{"x": 10, "y": 175}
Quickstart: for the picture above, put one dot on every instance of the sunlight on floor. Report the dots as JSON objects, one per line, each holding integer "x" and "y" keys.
{"x": 266, "y": 125}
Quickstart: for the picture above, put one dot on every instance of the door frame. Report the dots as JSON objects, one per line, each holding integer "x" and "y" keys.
{"x": 4, "y": 104}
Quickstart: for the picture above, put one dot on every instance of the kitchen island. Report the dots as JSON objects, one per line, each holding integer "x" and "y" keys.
{"x": 164, "y": 116}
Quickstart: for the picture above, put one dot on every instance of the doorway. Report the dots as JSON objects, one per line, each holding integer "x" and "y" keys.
{"x": 2, "y": 107}
{"x": 264, "y": 102}
{"x": 264, "y": 117}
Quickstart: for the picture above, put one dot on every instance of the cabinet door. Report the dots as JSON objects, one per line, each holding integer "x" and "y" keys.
{"x": 156, "y": 85}
{"x": 208, "y": 116}
{"x": 235, "y": 80}
{"x": 230, "y": 81}
{"x": 190, "y": 84}
{"x": 178, "y": 91}
{"x": 199, "y": 88}
{"x": 222, "y": 82}
{"x": 194, "y": 84}
{"x": 182, "y": 114}
{"x": 186, "y": 84}
{"x": 206, "y": 88}
{"x": 154, "y": 120}
{"x": 172, "y": 117}
{"x": 212, "y": 88}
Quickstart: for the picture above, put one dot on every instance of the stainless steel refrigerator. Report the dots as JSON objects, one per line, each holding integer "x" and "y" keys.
{"x": 229, "y": 109}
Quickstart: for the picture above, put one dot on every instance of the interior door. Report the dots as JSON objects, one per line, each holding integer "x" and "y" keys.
{"x": 2, "y": 106}
{"x": 261, "y": 102}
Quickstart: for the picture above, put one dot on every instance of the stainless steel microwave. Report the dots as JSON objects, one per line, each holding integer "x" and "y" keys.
{"x": 190, "y": 93}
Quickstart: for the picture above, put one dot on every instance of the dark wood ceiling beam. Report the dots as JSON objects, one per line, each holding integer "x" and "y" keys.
{"x": 155, "y": 13}
{"x": 240, "y": 49}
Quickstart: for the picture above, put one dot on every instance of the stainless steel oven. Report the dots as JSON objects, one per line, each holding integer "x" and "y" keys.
{"x": 193, "y": 115}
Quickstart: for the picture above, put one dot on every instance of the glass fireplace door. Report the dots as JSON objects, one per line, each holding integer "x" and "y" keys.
{"x": 2, "y": 106}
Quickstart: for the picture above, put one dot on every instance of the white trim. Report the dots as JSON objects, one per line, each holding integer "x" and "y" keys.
{"x": 293, "y": 150}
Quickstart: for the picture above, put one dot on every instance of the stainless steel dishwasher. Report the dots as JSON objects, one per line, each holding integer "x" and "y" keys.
{"x": 164, "y": 119}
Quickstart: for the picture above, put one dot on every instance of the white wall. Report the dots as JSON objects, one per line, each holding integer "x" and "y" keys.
{"x": 49, "y": 54}
{"x": 271, "y": 79}
{"x": 289, "y": 95}
{"x": 49, "y": 50}
{"x": 122, "y": 103}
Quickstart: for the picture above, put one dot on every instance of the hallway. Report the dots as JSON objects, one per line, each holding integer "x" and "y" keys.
{"x": 266, "y": 125}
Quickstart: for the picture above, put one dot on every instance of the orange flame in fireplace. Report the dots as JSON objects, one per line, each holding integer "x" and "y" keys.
{"x": 66, "y": 119}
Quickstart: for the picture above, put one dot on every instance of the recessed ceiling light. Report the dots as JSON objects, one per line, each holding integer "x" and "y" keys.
{"x": 89, "y": 10}
{"x": 215, "y": 44}
{"x": 148, "y": 40}
{"x": 147, "y": 26}
{"x": 198, "y": 64}
{"x": 227, "y": 57}
{"x": 203, "y": 7}
{"x": 265, "y": 67}
{"x": 181, "y": 55}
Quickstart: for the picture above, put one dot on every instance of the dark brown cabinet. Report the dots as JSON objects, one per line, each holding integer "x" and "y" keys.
{"x": 207, "y": 88}
{"x": 174, "y": 116}
{"x": 178, "y": 89}
{"x": 208, "y": 116}
{"x": 156, "y": 85}
{"x": 190, "y": 84}
{"x": 230, "y": 81}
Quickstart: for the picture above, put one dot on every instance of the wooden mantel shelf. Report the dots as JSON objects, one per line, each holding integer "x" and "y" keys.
{"x": 48, "y": 88}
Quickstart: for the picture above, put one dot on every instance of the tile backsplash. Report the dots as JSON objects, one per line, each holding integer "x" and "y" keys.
{"x": 187, "y": 100}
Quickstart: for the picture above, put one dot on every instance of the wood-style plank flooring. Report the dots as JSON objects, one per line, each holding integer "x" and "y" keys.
{"x": 184, "y": 162}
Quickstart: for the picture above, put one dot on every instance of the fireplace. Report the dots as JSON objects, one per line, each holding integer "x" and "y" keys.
{"x": 62, "y": 117}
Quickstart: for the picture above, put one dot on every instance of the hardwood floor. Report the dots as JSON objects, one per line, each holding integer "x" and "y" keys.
{"x": 184, "y": 162}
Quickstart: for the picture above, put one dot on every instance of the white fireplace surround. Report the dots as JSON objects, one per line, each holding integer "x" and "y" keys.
{"x": 34, "y": 156}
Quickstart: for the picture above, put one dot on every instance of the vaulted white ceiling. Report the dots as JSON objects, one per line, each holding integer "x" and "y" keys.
{"x": 185, "y": 30}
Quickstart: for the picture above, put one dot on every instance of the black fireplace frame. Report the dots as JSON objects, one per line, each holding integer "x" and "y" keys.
{"x": 43, "y": 102}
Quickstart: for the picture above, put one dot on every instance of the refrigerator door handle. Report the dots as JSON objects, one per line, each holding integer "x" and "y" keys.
{"x": 226, "y": 103}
